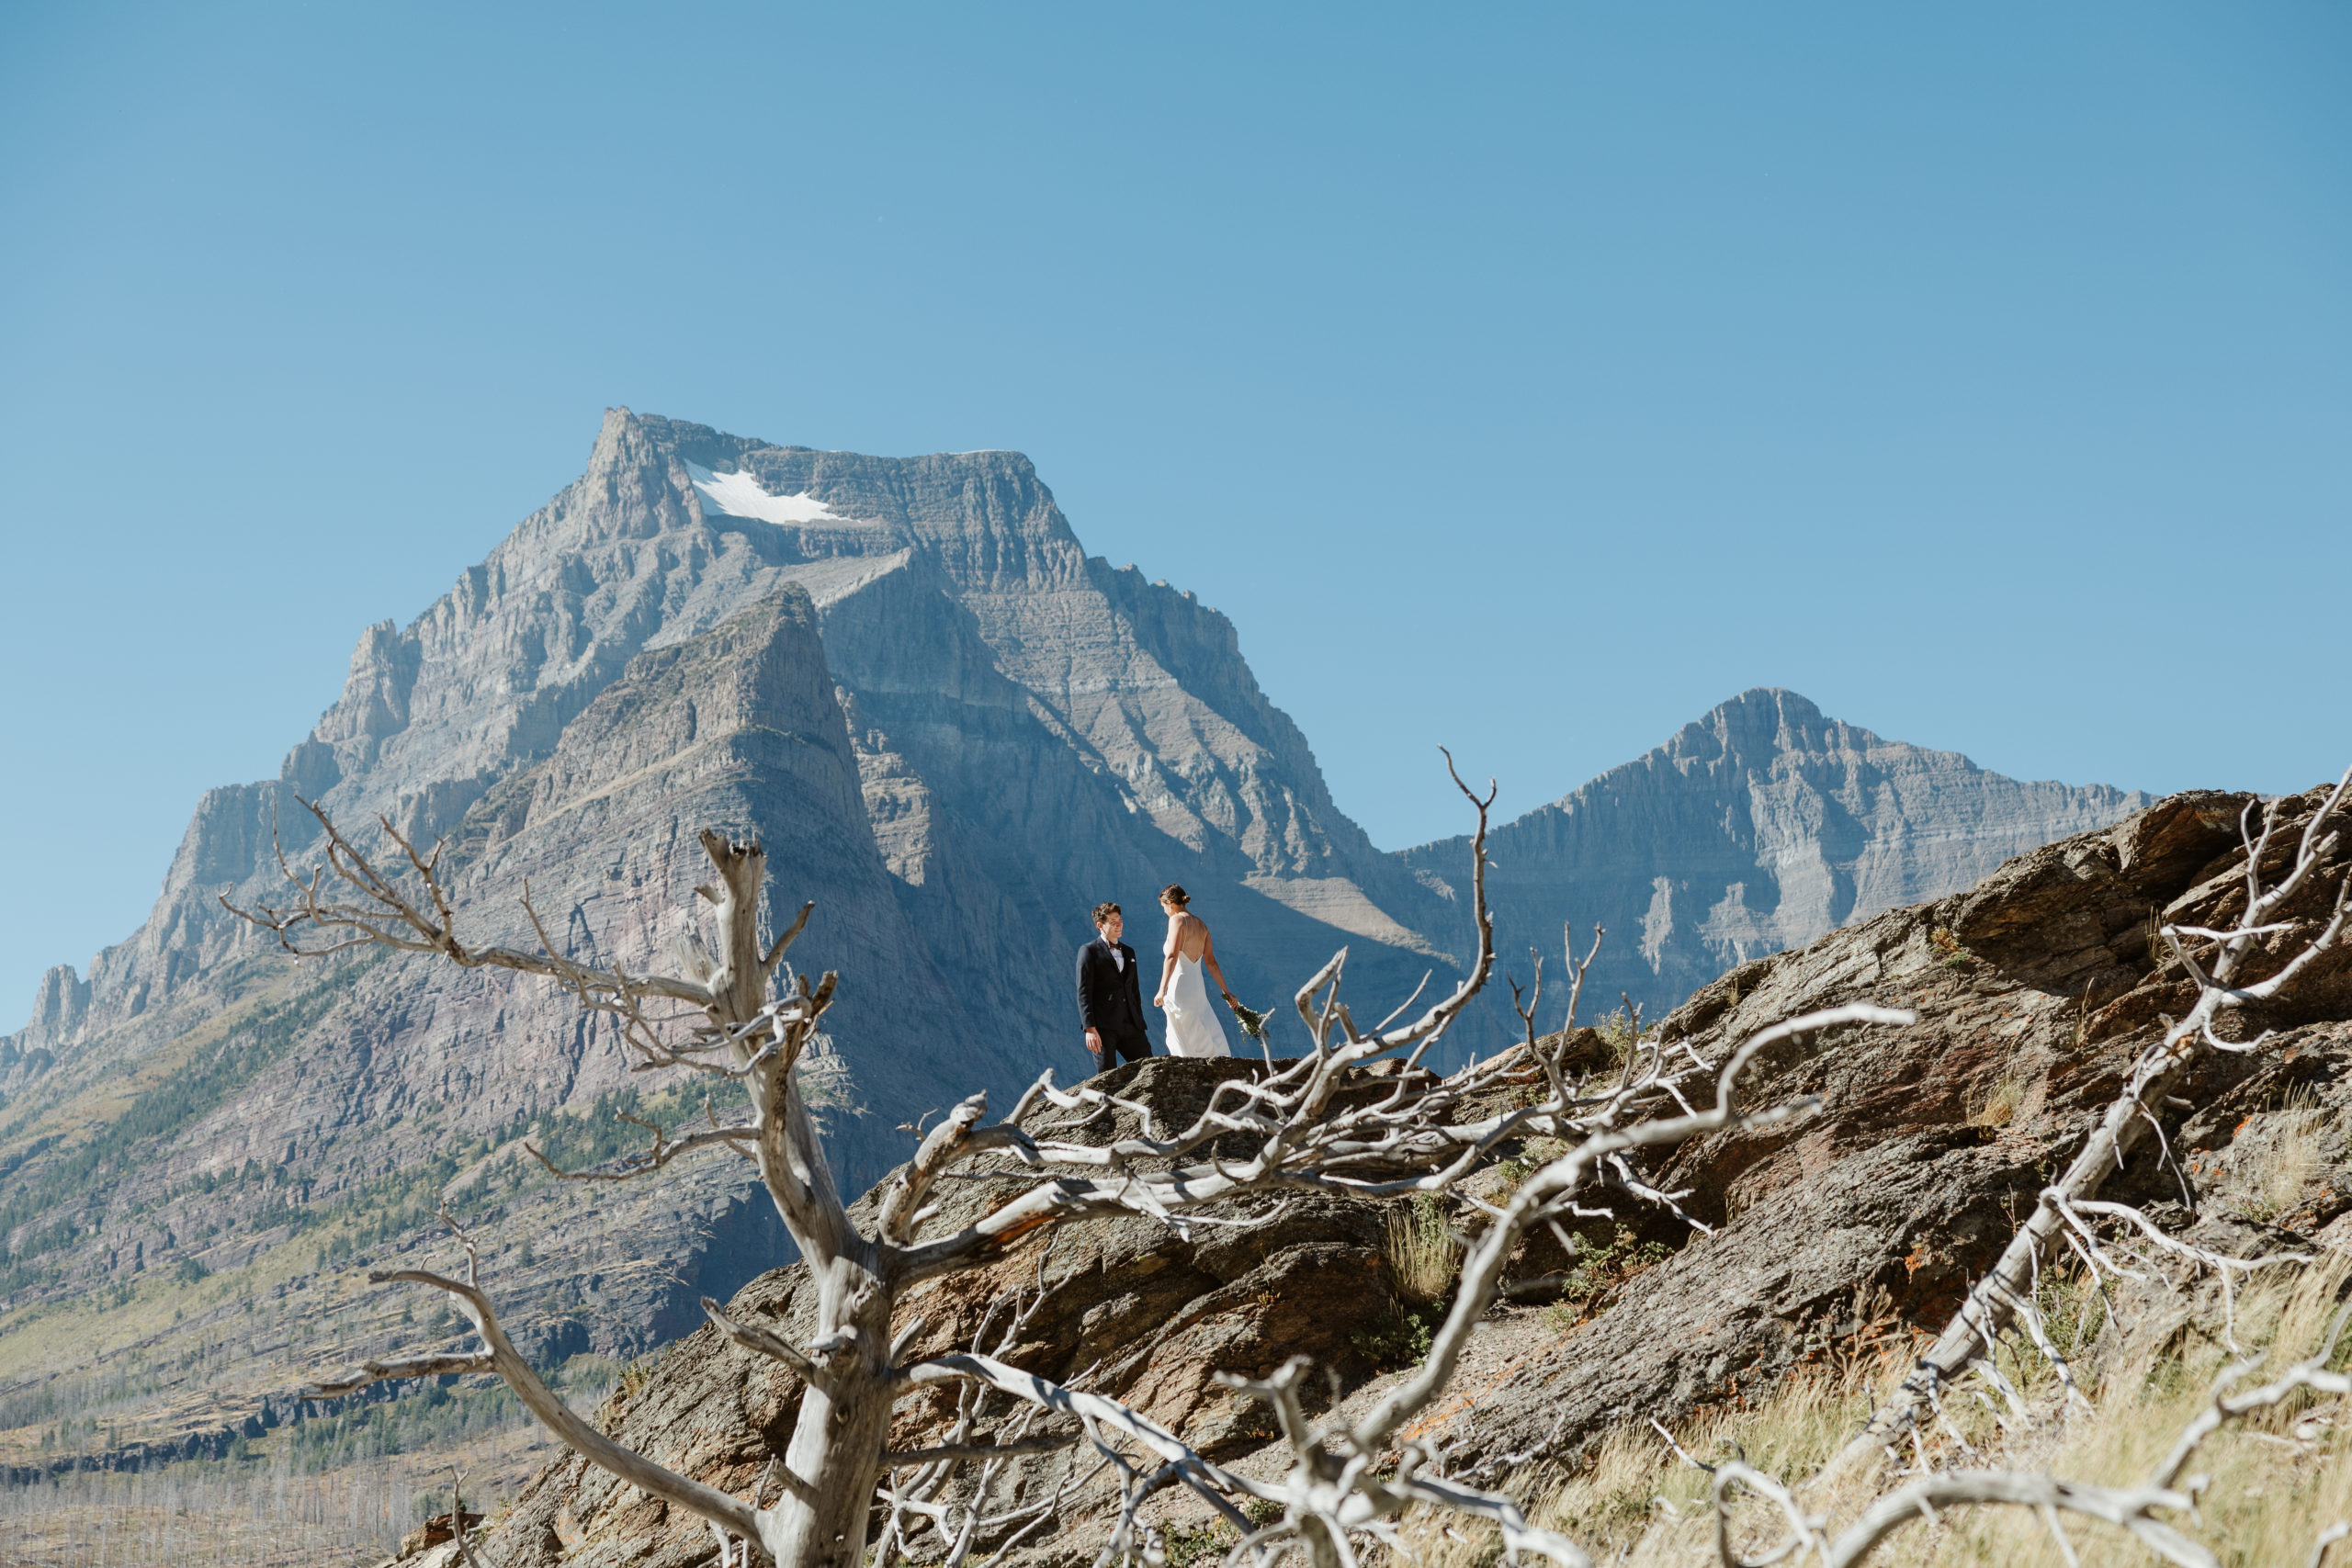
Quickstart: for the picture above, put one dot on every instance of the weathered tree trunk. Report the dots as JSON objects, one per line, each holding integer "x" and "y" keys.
{"x": 834, "y": 1461}
{"x": 844, "y": 1426}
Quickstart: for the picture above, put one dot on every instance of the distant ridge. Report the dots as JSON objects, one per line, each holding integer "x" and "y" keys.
{"x": 1760, "y": 826}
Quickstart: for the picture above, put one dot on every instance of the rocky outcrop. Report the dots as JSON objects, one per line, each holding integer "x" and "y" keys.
{"x": 1757, "y": 828}
{"x": 59, "y": 1008}
{"x": 1902, "y": 1190}
{"x": 1832, "y": 1231}
{"x": 1157, "y": 1316}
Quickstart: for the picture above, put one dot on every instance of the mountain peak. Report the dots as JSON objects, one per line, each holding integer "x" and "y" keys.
{"x": 1759, "y": 825}
{"x": 1762, "y": 719}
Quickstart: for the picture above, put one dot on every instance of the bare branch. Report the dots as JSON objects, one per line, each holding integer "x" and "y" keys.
{"x": 2311, "y": 1372}
{"x": 761, "y": 1342}
{"x": 783, "y": 942}
{"x": 553, "y": 1413}
{"x": 379, "y": 912}
{"x": 458, "y": 1518}
{"x": 2127, "y": 1508}
{"x": 1094, "y": 1408}
{"x": 1555, "y": 1182}
{"x": 664, "y": 1151}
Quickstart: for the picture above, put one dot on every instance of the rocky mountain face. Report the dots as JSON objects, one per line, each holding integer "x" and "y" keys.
{"x": 954, "y": 730}
{"x": 1831, "y": 1236}
{"x": 1032, "y": 730}
{"x": 1757, "y": 828}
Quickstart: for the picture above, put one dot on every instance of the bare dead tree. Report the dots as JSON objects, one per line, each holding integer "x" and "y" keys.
{"x": 731, "y": 1026}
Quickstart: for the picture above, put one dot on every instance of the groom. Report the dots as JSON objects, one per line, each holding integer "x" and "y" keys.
{"x": 1110, "y": 999}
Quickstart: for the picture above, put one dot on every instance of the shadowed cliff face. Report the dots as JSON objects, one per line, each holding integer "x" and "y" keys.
{"x": 1760, "y": 827}
{"x": 303, "y": 1118}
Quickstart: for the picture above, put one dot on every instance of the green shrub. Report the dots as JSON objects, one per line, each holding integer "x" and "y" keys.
{"x": 1401, "y": 1338}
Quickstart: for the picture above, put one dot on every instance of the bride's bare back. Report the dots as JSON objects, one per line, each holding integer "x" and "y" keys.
{"x": 1187, "y": 934}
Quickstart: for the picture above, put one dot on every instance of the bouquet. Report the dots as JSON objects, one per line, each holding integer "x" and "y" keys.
{"x": 1253, "y": 1023}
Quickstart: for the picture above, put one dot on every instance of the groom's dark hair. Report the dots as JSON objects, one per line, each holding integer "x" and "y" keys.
{"x": 1103, "y": 912}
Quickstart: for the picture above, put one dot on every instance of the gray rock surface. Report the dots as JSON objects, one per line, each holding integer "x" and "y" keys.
{"x": 1756, "y": 830}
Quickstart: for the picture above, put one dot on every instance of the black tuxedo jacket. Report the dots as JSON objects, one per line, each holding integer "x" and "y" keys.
{"x": 1110, "y": 998}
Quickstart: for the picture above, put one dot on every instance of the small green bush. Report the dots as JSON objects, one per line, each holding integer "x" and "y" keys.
{"x": 1401, "y": 1338}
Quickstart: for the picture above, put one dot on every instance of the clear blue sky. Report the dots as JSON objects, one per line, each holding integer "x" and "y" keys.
{"x": 1528, "y": 378}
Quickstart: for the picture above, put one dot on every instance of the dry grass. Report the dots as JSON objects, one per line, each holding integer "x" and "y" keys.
{"x": 1638, "y": 1482}
{"x": 2276, "y": 1484}
{"x": 1422, "y": 1256}
{"x": 2277, "y": 1481}
{"x": 1996, "y": 1105}
{"x": 2298, "y": 1139}
{"x": 2152, "y": 931}
{"x": 1634, "y": 1499}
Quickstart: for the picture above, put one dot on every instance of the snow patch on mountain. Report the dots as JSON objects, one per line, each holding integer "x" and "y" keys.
{"x": 740, "y": 495}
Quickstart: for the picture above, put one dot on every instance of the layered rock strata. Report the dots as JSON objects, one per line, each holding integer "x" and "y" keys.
{"x": 953, "y": 730}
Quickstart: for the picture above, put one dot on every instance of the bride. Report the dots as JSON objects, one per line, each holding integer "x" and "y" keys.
{"x": 1193, "y": 1026}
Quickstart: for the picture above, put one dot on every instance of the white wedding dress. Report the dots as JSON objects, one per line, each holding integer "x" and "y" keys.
{"x": 1193, "y": 1026}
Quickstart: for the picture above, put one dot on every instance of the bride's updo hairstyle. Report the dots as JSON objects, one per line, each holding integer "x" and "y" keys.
{"x": 1175, "y": 893}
